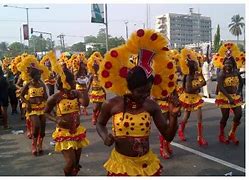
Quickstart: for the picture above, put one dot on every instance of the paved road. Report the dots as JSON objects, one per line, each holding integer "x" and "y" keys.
{"x": 189, "y": 159}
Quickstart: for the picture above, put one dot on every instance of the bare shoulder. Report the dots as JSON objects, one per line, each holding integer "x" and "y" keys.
{"x": 115, "y": 100}
{"x": 151, "y": 106}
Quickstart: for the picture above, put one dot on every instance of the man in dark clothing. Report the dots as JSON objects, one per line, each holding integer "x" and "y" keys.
{"x": 4, "y": 98}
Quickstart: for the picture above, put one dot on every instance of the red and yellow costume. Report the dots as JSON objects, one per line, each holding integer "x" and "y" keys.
{"x": 222, "y": 101}
{"x": 97, "y": 94}
{"x": 69, "y": 138}
{"x": 112, "y": 74}
{"x": 133, "y": 126}
{"x": 191, "y": 101}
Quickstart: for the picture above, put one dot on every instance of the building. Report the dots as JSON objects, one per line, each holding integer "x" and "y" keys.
{"x": 183, "y": 29}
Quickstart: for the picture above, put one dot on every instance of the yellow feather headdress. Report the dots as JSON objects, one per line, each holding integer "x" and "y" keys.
{"x": 30, "y": 61}
{"x": 185, "y": 55}
{"x": 76, "y": 61}
{"x": 56, "y": 67}
{"x": 96, "y": 57}
{"x": 14, "y": 63}
{"x": 6, "y": 63}
{"x": 114, "y": 69}
{"x": 239, "y": 57}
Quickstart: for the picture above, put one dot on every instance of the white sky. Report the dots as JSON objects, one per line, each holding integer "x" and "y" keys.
{"x": 73, "y": 20}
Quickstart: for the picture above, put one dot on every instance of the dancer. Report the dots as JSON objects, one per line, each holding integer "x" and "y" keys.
{"x": 229, "y": 88}
{"x": 97, "y": 93}
{"x": 31, "y": 71}
{"x": 190, "y": 99}
{"x": 70, "y": 135}
{"x": 131, "y": 110}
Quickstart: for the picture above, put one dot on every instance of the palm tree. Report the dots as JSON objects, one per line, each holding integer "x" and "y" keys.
{"x": 236, "y": 25}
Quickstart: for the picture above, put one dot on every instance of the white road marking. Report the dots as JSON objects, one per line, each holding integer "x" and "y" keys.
{"x": 225, "y": 163}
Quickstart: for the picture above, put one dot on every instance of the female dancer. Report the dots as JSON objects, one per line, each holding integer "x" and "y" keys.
{"x": 229, "y": 87}
{"x": 190, "y": 99}
{"x": 35, "y": 89}
{"x": 97, "y": 93}
{"x": 132, "y": 110}
{"x": 70, "y": 135}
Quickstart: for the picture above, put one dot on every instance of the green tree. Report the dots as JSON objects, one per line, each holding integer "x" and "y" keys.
{"x": 100, "y": 41}
{"x": 236, "y": 25}
{"x": 241, "y": 47}
{"x": 114, "y": 42}
{"x": 78, "y": 47}
{"x": 90, "y": 39}
{"x": 217, "y": 42}
{"x": 16, "y": 48}
{"x": 39, "y": 44}
{"x": 3, "y": 49}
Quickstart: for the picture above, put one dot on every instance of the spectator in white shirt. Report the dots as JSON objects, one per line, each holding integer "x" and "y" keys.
{"x": 206, "y": 71}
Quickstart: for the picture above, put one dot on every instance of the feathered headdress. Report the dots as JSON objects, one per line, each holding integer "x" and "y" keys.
{"x": 153, "y": 56}
{"x": 94, "y": 58}
{"x": 187, "y": 54}
{"x": 229, "y": 49}
{"x": 28, "y": 62}
{"x": 56, "y": 67}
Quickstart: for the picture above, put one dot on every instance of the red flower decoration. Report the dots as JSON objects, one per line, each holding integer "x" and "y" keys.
{"x": 165, "y": 49}
{"x": 237, "y": 59}
{"x": 108, "y": 65}
{"x": 126, "y": 124}
{"x": 140, "y": 32}
{"x": 114, "y": 53}
{"x": 171, "y": 84}
{"x": 144, "y": 165}
{"x": 123, "y": 72}
{"x": 217, "y": 54}
{"x": 170, "y": 65}
{"x": 147, "y": 124}
{"x": 171, "y": 76}
{"x": 164, "y": 93}
{"x": 108, "y": 84}
{"x": 105, "y": 73}
{"x": 157, "y": 79}
{"x": 153, "y": 37}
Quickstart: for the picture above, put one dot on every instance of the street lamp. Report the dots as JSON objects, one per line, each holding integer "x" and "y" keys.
{"x": 126, "y": 29}
{"x": 27, "y": 13}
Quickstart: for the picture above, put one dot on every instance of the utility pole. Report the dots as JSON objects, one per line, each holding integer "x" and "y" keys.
{"x": 126, "y": 29}
{"x": 61, "y": 36}
{"x": 147, "y": 15}
{"x": 27, "y": 13}
{"x": 106, "y": 27}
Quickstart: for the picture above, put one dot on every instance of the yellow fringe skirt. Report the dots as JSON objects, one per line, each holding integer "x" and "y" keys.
{"x": 97, "y": 96}
{"x": 65, "y": 140}
{"x": 146, "y": 165}
{"x": 37, "y": 109}
{"x": 191, "y": 102}
{"x": 222, "y": 101}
